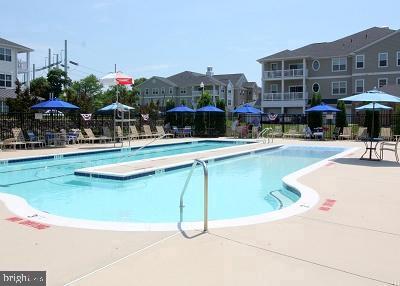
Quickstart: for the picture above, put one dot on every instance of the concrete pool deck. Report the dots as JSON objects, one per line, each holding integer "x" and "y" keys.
{"x": 351, "y": 237}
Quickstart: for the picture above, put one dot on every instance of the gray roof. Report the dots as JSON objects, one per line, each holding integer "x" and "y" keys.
{"x": 20, "y": 48}
{"x": 250, "y": 84}
{"x": 167, "y": 81}
{"x": 187, "y": 78}
{"x": 233, "y": 77}
{"x": 7, "y": 93}
{"x": 340, "y": 47}
{"x": 392, "y": 89}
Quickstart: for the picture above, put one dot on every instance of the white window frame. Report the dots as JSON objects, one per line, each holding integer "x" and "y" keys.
{"x": 270, "y": 88}
{"x": 398, "y": 58}
{"x": 383, "y": 78}
{"x": 5, "y": 54}
{"x": 339, "y": 82}
{"x": 171, "y": 90}
{"x": 339, "y": 59}
{"x": 146, "y": 91}
{"x": 290, "y": 86}
{"x": 387, "y": 59}
{"x": 355, "y": 85}
{"x": 319, "y": 65}
{"x": 7, "y": 80}
{"x": 312, "y": 87}
{"x": 154, "y": 91}
{"x": 363, "y": 61}
{"x": 271, "y": 64}
{"x": 163, "y": 90}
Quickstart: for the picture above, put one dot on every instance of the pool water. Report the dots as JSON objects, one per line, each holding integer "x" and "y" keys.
{"x": 238, "y": 187}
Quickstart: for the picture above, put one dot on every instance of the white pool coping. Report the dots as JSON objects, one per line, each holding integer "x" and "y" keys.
{"x": 308, "y": 199}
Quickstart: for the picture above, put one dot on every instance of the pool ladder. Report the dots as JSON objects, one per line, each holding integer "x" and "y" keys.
{"x": 205, "y": 172}
{"x": 266, "y": 131}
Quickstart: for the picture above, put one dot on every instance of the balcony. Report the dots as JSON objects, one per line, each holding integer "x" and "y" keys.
{"x": 22, "y": 67}
{"x": 198, "y": 92}
{"x": 285, "y": 96}
{"x": 290, "y": 74}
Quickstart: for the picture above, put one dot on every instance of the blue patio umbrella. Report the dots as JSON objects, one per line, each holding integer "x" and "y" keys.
{"x": 209, "y": 108}
{"x": 247, "y": 109}
{"x": 322, "y": 108}
{"x": 55, "y": 104}
{"x": 115, "y": 106}
{"x": 370, "y": 106}
{"x": 372, "y": 96}
{"x": 181, "y": 108}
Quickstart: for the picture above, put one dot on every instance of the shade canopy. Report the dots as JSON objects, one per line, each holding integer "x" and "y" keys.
{"x": 372, "y": 96}
{"x": 376, "y": 106}
{"x": 247, "y": 109}
{"x": 209, "y": 108}
{"x": 117, "y": 78}
{"x": 181, "y": 108}
{"x": 115, "y": 106}
{"x": 54, "y": 104}
{"x": 322, "y": 108}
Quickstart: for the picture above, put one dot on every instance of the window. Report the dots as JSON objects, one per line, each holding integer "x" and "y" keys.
{"x": 274, "y": 88}
{"x": 229, "y": 102}
{"x": 382, "y": 82}
{"x": 315, "y": 65}
{"x": 339, "y": 64}
{"x": 398, "y": 58}
{"x": 163, "y": 90}
{"x": 5, "y": 80}
{"x": 230, "y": 91}
{"x": 315, "y": 87}
{"x": 339, "y": 87}
{"x": 295, "y": 66}
{"x": 274, "y": 66}
{"x": 359, "y": 86}
{"x": 5, "y": 54}
{"x": 296, "y": 88}
{"x": 360, "y": 61}
{"x": 154, "y": 91}
{"x": 398, "y": 80}
{"x": 383, "y": 60}
{"x": 183, "y": 90}
{"x": 170, "y": 90}
{"x": 146, "y": 91}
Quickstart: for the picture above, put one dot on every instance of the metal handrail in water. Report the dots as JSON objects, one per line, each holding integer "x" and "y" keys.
{"x": 205, "y": 171}
{"x": 263, "y": 132}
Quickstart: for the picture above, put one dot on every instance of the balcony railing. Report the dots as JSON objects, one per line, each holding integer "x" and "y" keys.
{"x": 291, "y": 73}
{"x": 285, "y": 96}
{"x": 198, "y": 92}
{"x": 22, "y": 66}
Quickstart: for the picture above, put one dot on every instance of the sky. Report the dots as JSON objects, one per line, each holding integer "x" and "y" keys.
{"x": 154, "y": 37}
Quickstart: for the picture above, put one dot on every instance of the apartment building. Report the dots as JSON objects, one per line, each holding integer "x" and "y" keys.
{"x": 350, "y": 65}
{"x": 188, "y": 86}
{"x": 14, "y": 63}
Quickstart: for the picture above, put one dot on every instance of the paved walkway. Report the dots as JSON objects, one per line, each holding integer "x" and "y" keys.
{"x": 352, "y": 237}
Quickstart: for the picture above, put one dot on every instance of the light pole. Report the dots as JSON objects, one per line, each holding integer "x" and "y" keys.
{"x": 202, "y": 88}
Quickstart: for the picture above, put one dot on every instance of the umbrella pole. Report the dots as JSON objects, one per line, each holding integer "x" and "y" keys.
{"x": 372, "y": 129}
{"x": 114, "y": 126}
{"x": 129, "y": 127}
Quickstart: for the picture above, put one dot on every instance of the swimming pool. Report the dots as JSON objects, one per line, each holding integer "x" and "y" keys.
{"x": 242, "y": 186}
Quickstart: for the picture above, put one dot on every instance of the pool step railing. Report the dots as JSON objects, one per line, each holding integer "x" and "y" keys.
{"x": 268, "y": 138}
{"x": 205, "y": 174}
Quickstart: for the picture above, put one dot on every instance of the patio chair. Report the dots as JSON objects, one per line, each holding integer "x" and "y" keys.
{"x": 187, "y": 130}
{"x": 346, "y": 134}
{"x": 92, "y": 138}
{"x": 161, "y": 132}
{"x": 277, "y": 132}
{"x": 72, "y": 136}
{"x": 17, "y": 140}
{"x": 390, "y": 146}
{"x": 254, "y": 132}
{"x": 134, "y": 134}
{"x": 386, "y": 133}
{"x": 336, "y": 133}
{"x": 34, "y": 140}
{"x": 318, "y": 133}
{"x": 148, "y": 132}
{"x": 177, "y": 132}
{"x": 293, "y": 133}
{"x": 308, "y": 134}
{"x": 362, "y": 133}
{"x": 119, "y": 133}
{"x": 61, "y": 138}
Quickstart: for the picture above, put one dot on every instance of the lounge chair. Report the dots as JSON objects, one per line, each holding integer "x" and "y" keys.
{"x": 277, "y": 132}
{"x": 336, "y": 133}
{"x": 386, "y": 133}
{"x": 134, "y": 134}
{"x": 254, "y": 132}
{"x": 92, "y": 138}
{"x": 390, "y": 146}
{"x": 120, "y": 133}
{"x": 148, "y": 132}
{"x": 17, "y": 140}
{"x": 34, "y": 140}
{"x": 346, "y": 134}
{"x": 161, "y": 132}
{"x": 293, "y": 133}
{"x": 362, "y": 133}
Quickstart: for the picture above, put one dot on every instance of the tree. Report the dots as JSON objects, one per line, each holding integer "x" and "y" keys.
{"x": 204, "y": 100}
{"x": 341, "y": 117}
{"x": 57, "y": 79}
{"x": 39, "y": 87}
{"x": 84, "y": 92}
{"x": 315, "y": 118}
{"x": 23, "y": 101}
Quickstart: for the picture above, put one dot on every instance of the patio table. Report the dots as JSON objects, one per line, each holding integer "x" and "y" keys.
{"x": 371, "y": 145}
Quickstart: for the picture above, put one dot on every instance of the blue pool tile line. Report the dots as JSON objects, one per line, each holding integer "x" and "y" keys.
{"x": 168, "y": 169}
